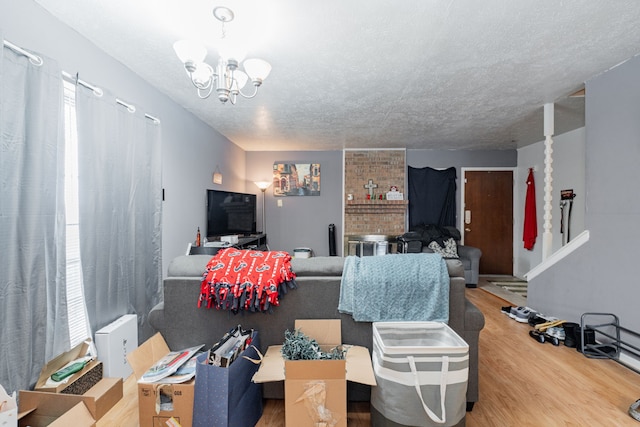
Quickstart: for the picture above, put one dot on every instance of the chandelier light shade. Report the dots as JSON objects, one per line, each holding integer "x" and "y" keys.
{"x": 226, "y": 77}
{"x": 190, "y": 51}
{"x": 257, "y": 69}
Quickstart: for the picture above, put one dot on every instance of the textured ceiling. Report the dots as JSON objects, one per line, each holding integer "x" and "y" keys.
{"x": 443, "y": 74}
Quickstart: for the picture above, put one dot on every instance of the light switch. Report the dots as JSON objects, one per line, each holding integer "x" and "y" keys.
{"x": 279, "y": 203}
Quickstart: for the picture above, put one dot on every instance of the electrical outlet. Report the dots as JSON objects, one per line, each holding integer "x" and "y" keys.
{"x": 279, "y": 203}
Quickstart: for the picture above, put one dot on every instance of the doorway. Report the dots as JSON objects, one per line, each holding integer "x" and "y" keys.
{"x": 487, "y": 217}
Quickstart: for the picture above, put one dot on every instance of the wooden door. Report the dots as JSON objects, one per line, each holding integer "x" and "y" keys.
{"x": 488, "y": 218}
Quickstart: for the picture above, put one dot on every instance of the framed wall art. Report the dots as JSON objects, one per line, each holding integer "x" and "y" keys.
{"x": 296, "y": 179}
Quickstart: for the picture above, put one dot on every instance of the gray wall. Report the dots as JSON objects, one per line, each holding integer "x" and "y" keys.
{"x": 302, "y": 221}
{"x": 568, "y": 173}
{"x": 601, "y": 276}
{"x": 190, "y": 149}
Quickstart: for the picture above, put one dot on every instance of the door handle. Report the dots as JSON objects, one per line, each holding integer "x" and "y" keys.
{"x": 467, "y": 229}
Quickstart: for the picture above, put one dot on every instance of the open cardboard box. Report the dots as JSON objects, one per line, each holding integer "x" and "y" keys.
{"x": 99, "y": 399}
{"x": 98, "y": 394}
{"x": 39, "y": 409}
{"x": 149, "y": 394}
{"x": 303, "y": 377}
{"x": 77, "y": 383}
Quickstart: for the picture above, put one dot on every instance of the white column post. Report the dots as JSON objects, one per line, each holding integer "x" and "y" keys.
{"x": 547, "y": 236}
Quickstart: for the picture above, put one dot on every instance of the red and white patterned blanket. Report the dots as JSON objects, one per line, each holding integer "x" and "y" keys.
{"x": 240, "y": 279}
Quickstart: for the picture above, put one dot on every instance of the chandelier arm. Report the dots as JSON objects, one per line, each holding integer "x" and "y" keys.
{"x": 209, "y": 84}
{"x": 255, "y": 92}
{"x": 207, "y": 93}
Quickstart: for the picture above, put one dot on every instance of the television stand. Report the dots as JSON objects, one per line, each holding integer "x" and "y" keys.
{"x": 254, "y": 241}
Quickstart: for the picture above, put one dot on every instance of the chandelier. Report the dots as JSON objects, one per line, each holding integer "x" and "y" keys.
{"x": 227, "y": 78}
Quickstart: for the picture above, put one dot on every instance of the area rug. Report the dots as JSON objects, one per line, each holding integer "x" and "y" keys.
{"x": 518, "y": 287}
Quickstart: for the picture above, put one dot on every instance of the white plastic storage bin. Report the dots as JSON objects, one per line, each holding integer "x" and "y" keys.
{"x": 421, "y": 369}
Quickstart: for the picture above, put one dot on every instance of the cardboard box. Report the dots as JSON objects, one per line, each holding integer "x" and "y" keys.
{"x": 99, "y": 399}
{"x": 39, "y": 409}
{"x": 77, "y": 383}
{"x": 114, "y": 342}
{"x": 314, "y": 386}
{"x": 177, "y": 397}
{"x": 87, "y": 386}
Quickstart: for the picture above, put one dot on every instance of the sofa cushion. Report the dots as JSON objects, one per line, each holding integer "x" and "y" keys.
{"x": 188, "y": 266}
{"x": 318, "y": 266}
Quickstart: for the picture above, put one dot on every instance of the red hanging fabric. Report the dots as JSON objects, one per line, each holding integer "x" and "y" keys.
{"x": 530, "y": 231}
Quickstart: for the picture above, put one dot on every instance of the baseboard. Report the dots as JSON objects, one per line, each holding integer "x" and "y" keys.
{"x": 631, "y": 361}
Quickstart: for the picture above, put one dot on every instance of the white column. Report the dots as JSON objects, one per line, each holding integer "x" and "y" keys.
{"x": 547, "y": 236}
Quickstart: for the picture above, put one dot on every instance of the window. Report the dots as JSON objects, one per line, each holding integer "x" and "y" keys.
{"x": 76, "y": 308}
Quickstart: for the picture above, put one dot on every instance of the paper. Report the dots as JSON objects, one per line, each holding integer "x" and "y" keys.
{"x": 184, "y": 372}
{"x": 225, "y": 351}
{"x": 169, "y": 364}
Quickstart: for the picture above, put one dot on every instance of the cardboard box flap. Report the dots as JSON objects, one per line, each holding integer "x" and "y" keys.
{"x": 325, "y": 331}
{"x": 311, "y": 370}
{"x": 58, "y": 362}
{"x": 102, "y": 387}
{"x": 152, "y": 350}
{"x": 103, "y": 396}
{"x": 41, "y": 408}
{"x": 271, "y": 367}
{"x": 99, "y": 399}
{"x": 359, "y": 367}
{"x": 77, "y": 416}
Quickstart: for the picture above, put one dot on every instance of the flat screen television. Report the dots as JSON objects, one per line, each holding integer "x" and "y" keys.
{"x": 230, "y": 213}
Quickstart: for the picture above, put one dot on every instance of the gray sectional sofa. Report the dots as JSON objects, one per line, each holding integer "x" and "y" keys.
{"x": 183, "y": 324}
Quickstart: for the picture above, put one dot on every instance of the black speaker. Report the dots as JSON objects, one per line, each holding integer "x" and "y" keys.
{"x": 332, "y": 240}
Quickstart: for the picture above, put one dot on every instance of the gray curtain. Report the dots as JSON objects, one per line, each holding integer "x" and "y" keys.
{"x": 120, "y": 198}
{"x": 33, "y": 318}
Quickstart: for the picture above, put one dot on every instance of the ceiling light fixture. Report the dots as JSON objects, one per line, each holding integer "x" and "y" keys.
{"x": 227, "y": 78}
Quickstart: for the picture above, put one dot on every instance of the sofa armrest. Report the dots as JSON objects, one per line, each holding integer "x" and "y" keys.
{"x": 473, "y": 317}
{"x": 456, "y": 295}
{"x": 472, "y": 254}
{"x": 469, "y": 252}
{"x": 156, "y": 317}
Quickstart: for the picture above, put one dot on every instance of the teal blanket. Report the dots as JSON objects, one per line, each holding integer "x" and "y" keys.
{"x": 395, "y": 287}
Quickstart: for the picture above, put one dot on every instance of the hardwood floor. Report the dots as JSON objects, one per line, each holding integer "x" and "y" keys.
{"x": 525, "y": 383}
{"x": 522, "y": 383}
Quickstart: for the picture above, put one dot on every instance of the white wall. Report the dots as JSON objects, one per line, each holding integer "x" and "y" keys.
{"x": 190, "y": 149}
{"x": 568, "y": 173}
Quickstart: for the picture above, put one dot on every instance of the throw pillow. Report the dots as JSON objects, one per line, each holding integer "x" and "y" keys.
{"x": 450, "y": 249}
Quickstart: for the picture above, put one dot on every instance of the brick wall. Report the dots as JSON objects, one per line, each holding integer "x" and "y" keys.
{"x": 385, "y": 168}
